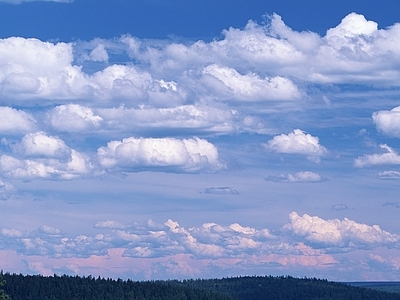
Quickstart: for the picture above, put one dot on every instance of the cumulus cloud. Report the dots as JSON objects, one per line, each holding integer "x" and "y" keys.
{"x": 297, "y": 142}
{"x": 99, "y": 54}
{"x": 41, "y": 156}
{"x": 196, "y": 118}
{"x": 353, "y": 25}
{"x": 303, "y": 176}
{"x": 15, "y": 121}
{"x": 147, "y": 239}
{"x": 303, "y": 236}
{"x": 388, "y": 121}
{"x": 259, "y": 62}
{"x": 339, "y": 233}
{"x": 390, "y": 157}
{"x": 73, "y": 118}
{"x": 229, "y": 84}
{"x": 187, "y": 155}
{"x": 39, "y": 144}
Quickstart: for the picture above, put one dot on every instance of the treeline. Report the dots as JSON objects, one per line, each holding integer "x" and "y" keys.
{"x": 35, "y": 287}
{"x": 286, "y": 287}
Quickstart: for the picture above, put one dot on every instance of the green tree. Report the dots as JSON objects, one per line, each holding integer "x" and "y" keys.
{"x": 3, "y": 295}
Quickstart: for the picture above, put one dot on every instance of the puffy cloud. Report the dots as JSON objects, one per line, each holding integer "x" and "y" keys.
{"x": 73, "y": 118}
{"x": 141, "y": 240}
{"x": 210, "y": 240}
{"x": 25, "y": 76}
{"x": 388, "y": 121}
{"x": 391, "y": 157}
{"x": 195, "y": 118}
{"x": 15, "y": 121}
{"x": 99, "y": 54}
{"x": 39, "y": 144}
{"x": 303, "y": 176}
{"x": 297, "y": 142}
{"x": 42, "y": 70}
{"x": 13, "y": 167}
{"x": 251, "y": 64}
{"x": 355, "y": 52}
{"x": 353, "y": 25}
{"x": 228, "y": 84}
{"x": 44, "y": 156}
{"x": 339, "y": 233}
{"x": 77, "y": 165}
{"x": 187, "y": 155}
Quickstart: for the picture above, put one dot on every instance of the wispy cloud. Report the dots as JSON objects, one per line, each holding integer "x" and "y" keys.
{"x": 302, "y": 176}
{"x": 220, "y": 190}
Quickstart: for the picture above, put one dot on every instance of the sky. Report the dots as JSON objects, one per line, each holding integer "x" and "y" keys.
{"x": 178, "y": 139}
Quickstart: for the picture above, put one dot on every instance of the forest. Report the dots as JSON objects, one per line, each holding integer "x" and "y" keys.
{"x": 35, "y": 287}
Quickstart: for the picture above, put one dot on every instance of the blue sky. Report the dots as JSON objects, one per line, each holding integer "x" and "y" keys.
{"x": 175, "y": 139}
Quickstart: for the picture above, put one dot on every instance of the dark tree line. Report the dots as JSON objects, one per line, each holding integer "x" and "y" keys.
{"x": 3, "y": 295}
{"x": 286, "y": 287}
{"x": 36, "y": 287}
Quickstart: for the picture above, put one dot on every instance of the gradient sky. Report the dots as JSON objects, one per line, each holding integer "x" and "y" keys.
{"x": 156, "y": 139}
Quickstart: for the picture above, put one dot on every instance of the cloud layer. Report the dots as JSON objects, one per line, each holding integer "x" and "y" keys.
{"x": 128, "y": 120}
{"x": 305, "y": 241}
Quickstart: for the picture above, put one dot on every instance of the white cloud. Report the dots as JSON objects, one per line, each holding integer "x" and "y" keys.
{"x": 44, "y": 156}
{"x": 39, "y": 144}
{"x": 15, "y": 121}
{"x": 228, "y": 84}
{"x": 339, "y": 233}
{"x": 144, "y": 240}
{"x": 297, "y": 142}
{"x": 353, "y": 25}
{"x": 390, "y": 157}
{"x": 210, "y": 240}
{"x": 302, "y": 176}
{"x": 388, "y": 121}
{"x": 194, "y": 118}
{"x": 187, "y": 155}
{"x": 252, "y": 64}
{"x": 389, "y": 175}
{"x": 73, "y": 118}
{"x": 99, "y": 54}
{"x": 15, "y": 168}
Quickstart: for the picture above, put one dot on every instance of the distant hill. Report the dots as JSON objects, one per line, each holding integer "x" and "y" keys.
{"x": 24, "y": 287}
{"x": 388, "y": 286}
